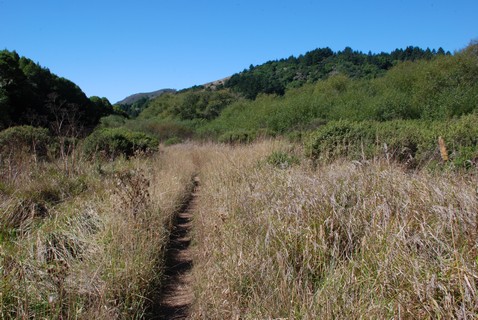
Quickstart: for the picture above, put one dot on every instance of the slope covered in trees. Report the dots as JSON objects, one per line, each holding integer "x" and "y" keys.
{"x": 408, "y": 84}
{"x": 32, "y": 95}
{"x": 441, "y": 88}
{"x": 275, "y": 77}
{"x": 135, "y": 103}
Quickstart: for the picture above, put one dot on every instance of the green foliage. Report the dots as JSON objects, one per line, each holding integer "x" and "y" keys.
{"x": 31, "y": 94}
{"x": 133, "y": 105}
{"x": 282, "y": 159}
{"x": 101, "y": 106}
{"x": 189, "y": 105}
{"x": 441, "y": 88}
{"x": 134, "y": 109}
{"x": 414, "y": 142}
{"x": 24, "y": 139}
{"x": 172, "y": 140}
{"x": 274, "y": 77}
{"x": 112, "y": 142}
{"x": 238, "y": 136}
{"x": 112, "y": 121}
{"x": 162, "y": 129}
{"x": 243, "y": 115}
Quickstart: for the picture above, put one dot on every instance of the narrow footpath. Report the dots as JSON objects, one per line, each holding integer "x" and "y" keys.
{"x": 177, "y": 294}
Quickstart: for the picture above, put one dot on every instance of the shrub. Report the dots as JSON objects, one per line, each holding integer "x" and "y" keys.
{"x": 340, "y": 139}
{"x": 172, "y": 140}
{"x": 112, "y": 142}
{"x": 238, "y": 136}
{"x": 24, "y": 139}
{"x": 409, "y": 141}
{"x": 161, "y": 129}
{"x": 282, "y": 159}
{"x": 113, "y": 121}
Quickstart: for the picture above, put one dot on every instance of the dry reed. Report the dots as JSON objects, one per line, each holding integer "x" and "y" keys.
{"x": 97, "y": 250}
{"x": 343, "y": 241}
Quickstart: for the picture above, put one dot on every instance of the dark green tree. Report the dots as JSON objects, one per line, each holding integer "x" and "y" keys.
{"x": 26, "y": 91}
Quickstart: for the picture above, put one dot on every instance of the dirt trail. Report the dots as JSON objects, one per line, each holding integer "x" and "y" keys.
{"x": 177, "y": 295}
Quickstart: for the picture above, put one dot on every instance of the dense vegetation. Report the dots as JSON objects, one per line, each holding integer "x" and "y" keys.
{"x": 412, "y": 142}
{"x": 134, "y": 104}
{"x": 346, "y": 240}
{"x": 439, "y": 89}
{"x": 114, "y": 142}
{"x": 32, "y": 95}
{"x": 86, "y": 241}
{"x": 410, "y": 84}
{"x": 332, "y": 223}
{"x": 274, "y": 77}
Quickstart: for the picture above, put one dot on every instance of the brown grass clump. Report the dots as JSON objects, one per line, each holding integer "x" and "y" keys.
{"x": 96, "y": 251}
{"x": 274, "y": 237}
{"x": 344, "y": 241}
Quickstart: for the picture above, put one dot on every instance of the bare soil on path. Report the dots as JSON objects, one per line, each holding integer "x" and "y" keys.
{"x": 177, "y": 294}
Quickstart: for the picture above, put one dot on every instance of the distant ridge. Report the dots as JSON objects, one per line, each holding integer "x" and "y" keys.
{"x": 138, "y": 96}
{"x": 216, "y": 83}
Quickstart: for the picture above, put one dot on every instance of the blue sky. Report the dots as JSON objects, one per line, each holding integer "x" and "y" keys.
{"x": 116, "y": 48}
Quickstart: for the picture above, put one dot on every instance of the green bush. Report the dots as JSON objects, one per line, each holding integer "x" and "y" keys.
{"x": 238, "y": 136}
{"x": 67, "y": 144}
{"x": 399, "y": 140}
{"x": 24, "y": 139}
{"x": 172, "y": 140}
{"x": 341, "y": 139}
{"x": 112, "y": 121}
{"x": 414, "y": 142}
{"x": 282, "y": 159}
{"x": 161, "y": 129}
{"x": 112, "y": 142}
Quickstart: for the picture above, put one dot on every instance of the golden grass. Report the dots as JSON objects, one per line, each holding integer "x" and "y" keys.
{"x": 343, "y": 241}
{"x": 95, "y": 252}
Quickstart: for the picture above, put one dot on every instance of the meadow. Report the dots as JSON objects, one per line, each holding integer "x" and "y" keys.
{"x": 87, "y": 241}
{"x": 343, "y": 240}
{"x": 349, "y": 196}
{"x": 276, "y": 234}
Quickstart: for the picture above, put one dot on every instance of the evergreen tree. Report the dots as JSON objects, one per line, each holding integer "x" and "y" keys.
{"x": 27, "y": 91}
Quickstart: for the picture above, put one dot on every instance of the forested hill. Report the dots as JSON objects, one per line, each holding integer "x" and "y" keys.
{"x": 274, "y": 77}
{"x": 279, "y": 77}
{"x": 149, "y": 95}
{"x": 135, "y": 103}
{"x": 298, "y": 95}
{"x": 32, "y": 95}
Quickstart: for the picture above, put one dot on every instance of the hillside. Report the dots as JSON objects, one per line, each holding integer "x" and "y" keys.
{"x": 275, "y": 77}
{"x": 346, "y": 197}
{"x": 406, "y": 84}
{"x": 136, "y": 103}
{"x": 31, "y": 94}
{"x": 148, "y": 95}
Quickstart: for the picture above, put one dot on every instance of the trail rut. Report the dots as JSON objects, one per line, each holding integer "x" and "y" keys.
{"x": 177, "y": 294}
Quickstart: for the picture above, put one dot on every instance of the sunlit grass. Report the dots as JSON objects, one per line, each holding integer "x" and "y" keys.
{"x": 342, "y": 241}
{"x": 90, "y": 244}
{"x": 275, "y": 236}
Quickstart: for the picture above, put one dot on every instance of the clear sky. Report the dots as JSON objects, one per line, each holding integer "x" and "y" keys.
{"x": 117, "y": 48}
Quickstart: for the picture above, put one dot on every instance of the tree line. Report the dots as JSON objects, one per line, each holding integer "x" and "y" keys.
{"x": 32, "y": 95}
{"x": 275, "y": 77}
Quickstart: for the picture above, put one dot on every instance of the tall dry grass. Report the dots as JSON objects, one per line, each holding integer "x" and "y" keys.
{"x": 88, "y": 245}
{"x": 271, "y": 239}
{"x": 343, "y": 241}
